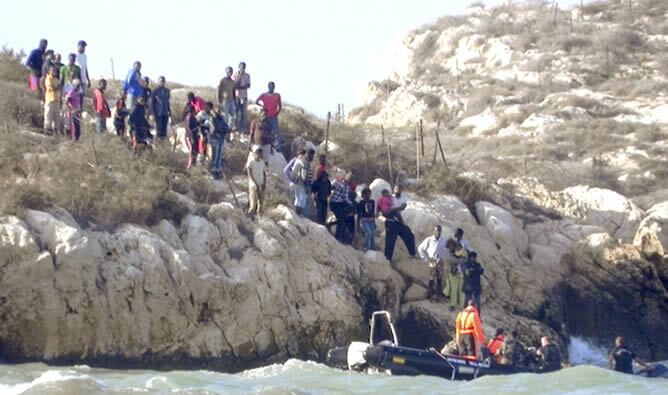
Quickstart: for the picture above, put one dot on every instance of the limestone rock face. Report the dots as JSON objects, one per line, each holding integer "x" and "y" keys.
{"x": 217, "y": 291}
{"x": 654, "y": 229}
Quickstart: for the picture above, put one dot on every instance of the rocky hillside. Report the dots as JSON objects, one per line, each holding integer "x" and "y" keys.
{"x": 567, "y": 95}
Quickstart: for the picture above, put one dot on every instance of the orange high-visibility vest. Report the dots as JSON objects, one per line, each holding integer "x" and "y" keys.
{"x": 468, "y": 322}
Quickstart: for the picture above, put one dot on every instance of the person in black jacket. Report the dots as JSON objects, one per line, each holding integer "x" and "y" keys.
{"x": 549, "y": 354}
{"x": 472, "y": 286}
{"x": 139, "y": 126}
{"x": 217, "y": 141}
{"x": 321, "y": 190}
{"x": 621, "y": 358}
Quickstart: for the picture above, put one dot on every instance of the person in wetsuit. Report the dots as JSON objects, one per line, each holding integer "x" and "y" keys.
{"x": 621, "y": 358}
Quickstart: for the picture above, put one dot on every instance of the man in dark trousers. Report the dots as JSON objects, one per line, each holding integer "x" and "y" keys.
{"x": 161, "y": 109}
{"x": 217, "y": 141}
{"x": 139, "y": 127}
{"x": 394, "y": 225}
{"x": 35, "y": 62}
{"x": 472, "y": 285}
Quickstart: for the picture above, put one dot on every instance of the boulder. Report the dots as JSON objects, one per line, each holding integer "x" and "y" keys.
{"x": 415, "y": 292}
{"x": 377, "y": 186}
{"x": 504, "y": 228}
{"x": 653, "y": 230}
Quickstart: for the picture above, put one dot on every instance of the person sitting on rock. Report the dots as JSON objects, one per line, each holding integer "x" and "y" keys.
{"x": 472, "y": 286}
{"x": 454, "y": 277}
{"x": 432, "y": 250}
{"x": 549, "y": 354}
{"x": 511, "y": 352}
{"x": 621, "y": 358}
{"x": 469, "y": 332}
{"x": 497, "y": 341}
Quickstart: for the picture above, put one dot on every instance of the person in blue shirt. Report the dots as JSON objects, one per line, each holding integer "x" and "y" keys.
{"x": 134, "y": 86}
{"x": 35, "y": 62}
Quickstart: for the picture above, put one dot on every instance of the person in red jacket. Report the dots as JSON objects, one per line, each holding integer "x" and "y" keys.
{"x": 102, "y": 111}
{"x": 497, "y": 341}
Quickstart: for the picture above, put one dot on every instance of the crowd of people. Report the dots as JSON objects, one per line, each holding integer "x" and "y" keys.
{"x": 454, "y": 272}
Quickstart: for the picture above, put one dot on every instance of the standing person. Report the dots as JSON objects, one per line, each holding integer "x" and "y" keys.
{"x": 217, "y": 140}
{"x": 148, "y": 93}
{"x": 205, "y": 119}
{"x": 322, "y": 189}
{"x": 366, "y": 218}
{"x": 432, "y": 250}
{"x": 82, "y": 62}
{"x": 197, "y": 102}
{"x": 469, "y": 333}
{"x": 463, "y": 243}
{"x": 73, "y": 103}
{"x": 46, "y": 65}
{"x": 394, "y": 225}
{"x": 69, "y": 73}
{"x": 192, "y": 135}
{"x": 35, "y": 61}
{"x": 550, "y": 356}
{"x": 161, "y": 108}
{"x": 302, "y": 176}
{"x": 57, "y": 61}
{"x": 120, "y": 115}
{"x": 322, "y": 165}
{"x": 454, "y": 278}
{"x": 133, "y": 86}
{"x": 243, "y": 83}
{"x": 260, "y": 136}
{"x": 139, "y": 126}
{"x": 272, "y": 104}
{"x": 51, "y": 101}
{"x": 472, "y": 286}
{"x": 101, "y": 107}
{"x": 339, "y": 204}
{"x": 257, "y": 180}
{"x": 620, "y": 358}
{"x": 226, "y": 97}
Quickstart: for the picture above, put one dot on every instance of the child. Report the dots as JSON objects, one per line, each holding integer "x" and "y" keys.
{"x": 366, "y": 216}
{"x": 121, "y": 114}
{"x": 51, "y": 101}
{"x": 385, "y": 208}
{"x": 101, "y": 106}
{"x": 321, "y": 190}
{"x": 192, "y": 134}
{"x": 73, "y": 102}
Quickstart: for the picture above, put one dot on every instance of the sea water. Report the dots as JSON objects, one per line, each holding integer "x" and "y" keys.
{"x": 304, "y": 377}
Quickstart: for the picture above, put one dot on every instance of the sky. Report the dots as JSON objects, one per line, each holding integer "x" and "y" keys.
{"x": 319, "y": 52}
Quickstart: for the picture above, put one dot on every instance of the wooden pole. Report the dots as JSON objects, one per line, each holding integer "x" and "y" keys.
{"x": 329, "y": 116}
{"x": 457, "y": 71}
{"x": 440, "y": 148}
{"x": 366, "y": 165}
{"x": 421, "y": 140}
{"x": 389, "y": 163}
{"x": 113, "y": 72}
{"x": 92, "y": 145}
{"x": 433, "y": 159}
{"x": 382, "y": 132}
{"x": 234, "y": 195}
{"x": 417, "y": 151}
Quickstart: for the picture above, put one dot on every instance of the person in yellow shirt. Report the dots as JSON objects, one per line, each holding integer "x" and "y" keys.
{"x": 469, "y": 334}
{"x": 51, "y": 101}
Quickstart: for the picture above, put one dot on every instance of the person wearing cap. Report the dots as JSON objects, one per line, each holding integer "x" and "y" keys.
{"x": 35, "y": 62}
{"x": 82, "y": 62}
{"x": 73, "y": 101}
{"x": 472, "y": 271}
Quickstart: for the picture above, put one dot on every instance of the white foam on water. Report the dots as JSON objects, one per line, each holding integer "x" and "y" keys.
{"x": 583, "y": 352}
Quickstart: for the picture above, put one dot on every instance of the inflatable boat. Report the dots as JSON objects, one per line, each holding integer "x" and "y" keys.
{"x": 385, "y": 355}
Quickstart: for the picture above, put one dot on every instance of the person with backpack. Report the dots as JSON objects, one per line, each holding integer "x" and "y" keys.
{"x": 220, "y": 132}
{"x": 161, "y": 108}
{"x": 101, "y": 107}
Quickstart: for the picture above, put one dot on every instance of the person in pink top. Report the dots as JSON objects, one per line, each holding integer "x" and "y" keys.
{"x": 73, "y": 102}
{"x": 272, "y": 104}
{"x": 197, "y": 102}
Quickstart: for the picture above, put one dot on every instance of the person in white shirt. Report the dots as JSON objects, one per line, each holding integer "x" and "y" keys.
{"x": 82, "y": 62}
{"x": 432, "y": 250}
{"x": 257, "y": 181}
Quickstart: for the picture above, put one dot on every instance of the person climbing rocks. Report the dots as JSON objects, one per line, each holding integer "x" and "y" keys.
{"x": 34, "y": 62}
{"x": 133, "y": 86}
{"x": 549, "y": 355}
{"x": 243, "y": 83}
{"x": 101, "y": 107}
{"x": 432, "y": 250}
{"x": 217, "y": 141}
{"x": 472, "y": 286}
{"x": 261, "y": 136}
{"x": 469, "y": 333}
{"x": 496, "y": 342}
{"x": 454, "y": 278}
{"x": 192, "y": 134}
{"x": 73, "y": 103}
{"x": 161, "y": 108}
{"x": 120, "y": 114}
{"x": 390, "y": 207}
{"x": 321, "y": 189}
{"x": 51, "y": 101}
{"x": 257, "y": 179}
{"x": 620, "y": 358}
{"x": 511, "y": 352}
{"x": 140, "y": 129}
{"x": 339, "y": 204}
{"x": 273, "y": 105}
{"x": 366, "y": 218}
{"x": 226, "y": 98}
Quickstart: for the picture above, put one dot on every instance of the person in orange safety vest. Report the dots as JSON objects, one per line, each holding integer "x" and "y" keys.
{"x": 497, "y": 341}
{"x": 468, "y": 331}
